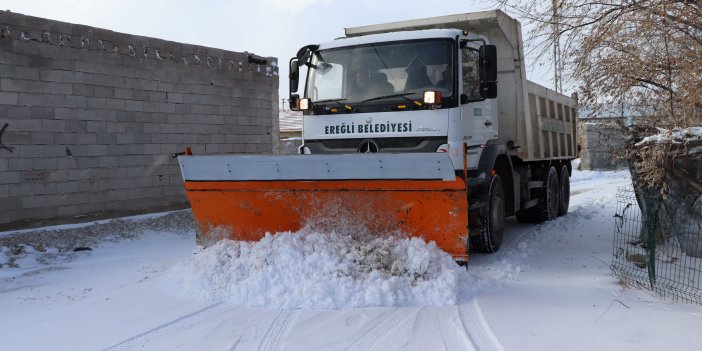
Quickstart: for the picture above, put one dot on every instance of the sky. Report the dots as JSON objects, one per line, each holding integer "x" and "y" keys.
{"x": 276, "y": 28}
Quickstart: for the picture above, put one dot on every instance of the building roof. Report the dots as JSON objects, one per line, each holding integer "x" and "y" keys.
{"x": 290, "y": 121}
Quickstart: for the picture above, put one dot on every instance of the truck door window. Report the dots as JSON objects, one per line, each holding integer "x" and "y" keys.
{"x": 471, "y": 77}
{"x": 327, "y": 81}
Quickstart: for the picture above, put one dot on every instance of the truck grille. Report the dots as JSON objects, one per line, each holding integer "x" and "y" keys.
{"x": 384, "y": 144}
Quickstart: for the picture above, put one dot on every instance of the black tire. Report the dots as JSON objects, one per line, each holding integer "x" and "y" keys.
{"x": 564, "y": 191}
{"x": 490, "y": 238}
{"x": 548, "y": 202}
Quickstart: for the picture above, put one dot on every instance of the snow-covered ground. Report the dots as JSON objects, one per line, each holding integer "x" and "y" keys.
{"x": 144, "y": 285}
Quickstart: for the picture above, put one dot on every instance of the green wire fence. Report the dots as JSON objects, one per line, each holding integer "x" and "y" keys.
{"x": 658, "y": 245}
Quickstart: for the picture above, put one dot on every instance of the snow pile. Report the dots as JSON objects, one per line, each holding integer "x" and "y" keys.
{"x": 675, "y": 136}
{"x": 323, "y": 270}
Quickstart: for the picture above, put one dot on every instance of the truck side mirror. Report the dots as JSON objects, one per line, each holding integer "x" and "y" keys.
{"x": 294, "y": 98}
{"x": 488, "y": 63}
{"x": 294, "y": 75}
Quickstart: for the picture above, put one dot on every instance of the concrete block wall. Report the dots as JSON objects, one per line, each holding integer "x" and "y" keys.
{"x": 597, "y": 139}
{"x": 93, "y": 115}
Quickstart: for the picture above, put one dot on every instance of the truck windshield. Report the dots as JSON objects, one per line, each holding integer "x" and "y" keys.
{"x": 382, "y": 73}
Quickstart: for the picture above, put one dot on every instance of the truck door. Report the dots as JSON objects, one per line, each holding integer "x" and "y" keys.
{"x": 478, "y": 120}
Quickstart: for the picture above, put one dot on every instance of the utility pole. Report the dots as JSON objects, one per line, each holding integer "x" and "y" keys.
{"x": 557, "y": 79}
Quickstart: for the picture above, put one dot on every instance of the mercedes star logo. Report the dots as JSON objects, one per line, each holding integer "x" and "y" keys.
{"x": 368, "y": 147}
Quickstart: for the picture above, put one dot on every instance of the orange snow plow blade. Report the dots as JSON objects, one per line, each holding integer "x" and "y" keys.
{"x": 433, "y": 210}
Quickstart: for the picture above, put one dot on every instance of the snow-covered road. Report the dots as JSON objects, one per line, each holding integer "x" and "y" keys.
{"x": 548, "y": 288}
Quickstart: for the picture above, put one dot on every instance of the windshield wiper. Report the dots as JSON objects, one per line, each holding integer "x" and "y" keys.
{"x": 404, "y": 95}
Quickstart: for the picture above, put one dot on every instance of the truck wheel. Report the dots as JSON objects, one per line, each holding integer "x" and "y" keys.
{"x": 548, "y": 204}
{"x": 564, "y": 183}
{"x": 490, "y": 239}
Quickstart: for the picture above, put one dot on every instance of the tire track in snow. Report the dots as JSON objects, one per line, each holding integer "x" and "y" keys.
{"x": 380, "y": 328}
{"x": 477, "y": 328}
{"x": 277, "y": 330}
{"x": 169, "y": 328}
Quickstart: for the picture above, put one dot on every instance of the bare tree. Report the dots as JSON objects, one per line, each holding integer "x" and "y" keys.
{"x": 644, "y": 55}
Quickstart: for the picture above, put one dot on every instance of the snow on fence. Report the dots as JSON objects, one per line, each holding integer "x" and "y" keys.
{"x": 654, "y": 252}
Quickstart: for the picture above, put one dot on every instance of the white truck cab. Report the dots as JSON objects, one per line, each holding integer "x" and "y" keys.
{"x": 407, "y": 91}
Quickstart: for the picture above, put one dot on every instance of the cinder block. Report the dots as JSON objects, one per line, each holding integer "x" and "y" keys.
{"x": 10, "y": 177}
{"x": 125, "y": 138}
{"x": 73, "y": 209}
{"x": 67, "y": 163}
{"x": 20, "y": 164}
{"x": 8, "y": 98}
{"x": 42, "y": 112}
{"x": 165, "y": 107}
{"x": 101, "y": 115}
{"x": 10, "y": 203}
{"x": 107, "y": 161}
{"x": 53, "y": 150}
{"x": 150, "y": 106}
{"x": 183, "y": 108}
{"x": 73, "y": 77}
{"x": 28, "y": 125}
{"x": 17, "y": 112}
{"x": 125, "y": 116}
{"x": 123, "y": 93}
{"x": 142, "y": 138}
{"x": 27, "y": 73}
{"x": 97, "y": 150}
{"x": 132, "y": 105}
{"x": 101, "y": 91}
{"x": 174, "y": 97}
{"x": 42, "y": 138}
{"x": 141, "y": 95}
{"x": 104, "y": 80}
{"x": 6, "y": 71}
{"x": 96, "y": 126}
{"x": 37, "y": 201}
{"x": 159, "y": 138}
{"x": 69, "y": 113}
{"x": 114, "y": 127}
{"x": 17, "y": 138}
{"x": 175, "y": 139}
{"x": 29, "y": 99}
{"x": 82, "y": 89}
{"x": 74, "y": 101}
{"x": 134, "y": 149}
{"x": 55, "y": 126}
{"x": 106, "y": 139}
{"x": 96, "y": 102}
{"x": 151, "y": 128}
{"x": 87, "y": 162}
{"x": 25, "y": 86}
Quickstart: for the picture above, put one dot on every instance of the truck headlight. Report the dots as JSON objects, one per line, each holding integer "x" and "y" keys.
{"x": 303, "y": 104}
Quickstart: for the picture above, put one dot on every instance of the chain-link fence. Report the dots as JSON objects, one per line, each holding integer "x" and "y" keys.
{"x": 658, "y": 245}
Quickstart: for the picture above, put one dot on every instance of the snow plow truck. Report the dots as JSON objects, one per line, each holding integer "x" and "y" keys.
{"x": 426, "y": 127}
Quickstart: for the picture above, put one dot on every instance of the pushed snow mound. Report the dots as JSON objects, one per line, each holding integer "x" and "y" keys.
{"x": 322, "y": 270}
